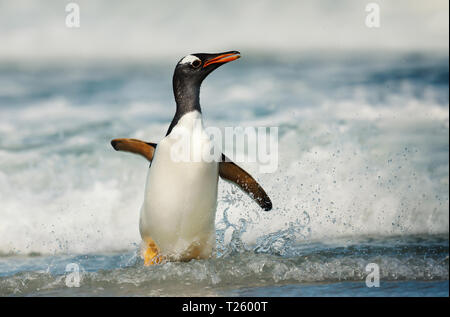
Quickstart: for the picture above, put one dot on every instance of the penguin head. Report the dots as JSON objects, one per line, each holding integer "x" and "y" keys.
{"x": 196, "y": 67}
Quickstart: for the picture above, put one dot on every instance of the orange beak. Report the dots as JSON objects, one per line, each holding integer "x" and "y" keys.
{"x": 224, "y": 58}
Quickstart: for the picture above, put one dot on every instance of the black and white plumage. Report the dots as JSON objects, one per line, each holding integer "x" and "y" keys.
{"x": 178, "y": 213}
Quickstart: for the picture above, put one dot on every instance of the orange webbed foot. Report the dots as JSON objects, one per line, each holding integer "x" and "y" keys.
{"x": 152, "y": 255}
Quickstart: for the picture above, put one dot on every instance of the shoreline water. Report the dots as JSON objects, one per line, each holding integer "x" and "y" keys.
{"x": 411, "y": 266}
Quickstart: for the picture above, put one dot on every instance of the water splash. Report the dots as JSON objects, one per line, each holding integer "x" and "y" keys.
{"x": 229, "y": 236}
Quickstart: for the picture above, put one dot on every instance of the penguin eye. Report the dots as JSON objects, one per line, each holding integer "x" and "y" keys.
{"x": 196, "y": 63}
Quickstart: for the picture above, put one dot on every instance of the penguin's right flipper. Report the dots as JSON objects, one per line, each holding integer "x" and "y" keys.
{"x": 146, "y": 149}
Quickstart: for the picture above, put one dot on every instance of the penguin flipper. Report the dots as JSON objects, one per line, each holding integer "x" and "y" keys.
{"x": 229, "y": 171}
{"x": 146, "y": 149}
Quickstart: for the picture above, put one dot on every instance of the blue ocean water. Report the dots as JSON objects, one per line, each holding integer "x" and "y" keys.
{"x": 362, "y": 176}
{"x": 351, "y": 289}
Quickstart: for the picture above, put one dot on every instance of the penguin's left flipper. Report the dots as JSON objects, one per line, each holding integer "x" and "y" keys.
{"x": 229, "y": 171}
{"x": 146, "y": 149}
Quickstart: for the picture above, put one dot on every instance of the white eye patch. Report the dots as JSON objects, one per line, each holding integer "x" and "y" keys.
{"x": 189, "y": 59}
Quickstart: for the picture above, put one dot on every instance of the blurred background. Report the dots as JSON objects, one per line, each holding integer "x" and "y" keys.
{"x": 152, "y": 29}
{"x": 363, "y": 118}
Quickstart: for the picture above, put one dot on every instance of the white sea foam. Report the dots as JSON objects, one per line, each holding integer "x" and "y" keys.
{"x": 346, "y": 169}
{"x": 363, "y": 175}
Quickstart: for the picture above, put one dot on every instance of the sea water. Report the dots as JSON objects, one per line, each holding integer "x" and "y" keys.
{"x": 362, "y": 177}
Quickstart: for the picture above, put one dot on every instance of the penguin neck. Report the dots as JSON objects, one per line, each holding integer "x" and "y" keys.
{"x": 187, "y": 98}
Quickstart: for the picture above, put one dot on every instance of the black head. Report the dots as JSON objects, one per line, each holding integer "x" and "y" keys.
{"x": 195, "y": 67}
{"x": 189, "y": 74}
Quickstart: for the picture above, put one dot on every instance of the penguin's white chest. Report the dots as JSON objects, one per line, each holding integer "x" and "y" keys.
{"x": 180, "y": 200}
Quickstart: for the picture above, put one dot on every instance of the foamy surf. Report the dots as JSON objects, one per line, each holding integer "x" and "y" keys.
{"x": 300, "y": 265}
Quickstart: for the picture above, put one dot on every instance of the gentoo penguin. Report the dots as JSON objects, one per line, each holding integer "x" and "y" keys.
{"x": 178, "y": 214}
